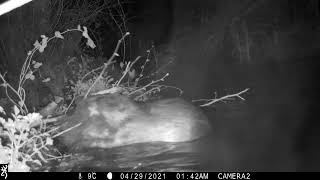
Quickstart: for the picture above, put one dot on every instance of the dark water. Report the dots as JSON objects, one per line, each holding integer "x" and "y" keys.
{"x": 277, "y": 127}
{"x": 136, "y": 157}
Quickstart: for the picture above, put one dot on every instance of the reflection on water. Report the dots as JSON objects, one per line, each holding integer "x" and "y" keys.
{"x": 136, "y": 157}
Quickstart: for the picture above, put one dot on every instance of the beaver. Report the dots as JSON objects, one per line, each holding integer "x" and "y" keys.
{"x": 114, "y": 120}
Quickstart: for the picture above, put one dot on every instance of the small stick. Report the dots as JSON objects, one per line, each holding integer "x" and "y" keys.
{"x": 212, "y": 101}
{"x": 66, "y": 130}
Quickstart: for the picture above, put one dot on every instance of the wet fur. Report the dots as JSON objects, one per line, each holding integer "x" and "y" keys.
{"x": 115, "y": 120}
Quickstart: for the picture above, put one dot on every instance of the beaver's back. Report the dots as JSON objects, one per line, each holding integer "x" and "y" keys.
{"x": 115, "y": 120}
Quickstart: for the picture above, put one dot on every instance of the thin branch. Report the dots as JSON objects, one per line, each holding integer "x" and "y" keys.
{"x": 215, "y": 100}
{"x": 110, "y": 61}
{"x": 151, "y": 83}
{"x": 128, "y": 67}
{"x": 66, "y": 130}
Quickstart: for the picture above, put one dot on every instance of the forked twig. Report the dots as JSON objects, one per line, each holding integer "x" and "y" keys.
{"x": 215, "y": 100}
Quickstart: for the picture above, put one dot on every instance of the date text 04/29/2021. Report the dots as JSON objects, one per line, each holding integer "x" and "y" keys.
{"x": 163, "y": 175}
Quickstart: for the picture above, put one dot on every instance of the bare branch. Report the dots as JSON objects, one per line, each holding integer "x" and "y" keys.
{"x": 227, "y": 97}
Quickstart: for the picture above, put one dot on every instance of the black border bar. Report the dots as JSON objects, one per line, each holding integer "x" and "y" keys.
{"x": 161, "y": 175}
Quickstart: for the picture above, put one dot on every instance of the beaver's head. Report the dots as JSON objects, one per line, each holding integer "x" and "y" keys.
{"x": 115, "y": 109}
